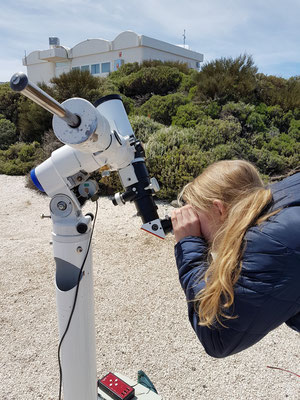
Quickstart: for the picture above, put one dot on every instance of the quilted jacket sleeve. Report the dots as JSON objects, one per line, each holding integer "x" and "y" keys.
{"x": 266, "y": 294}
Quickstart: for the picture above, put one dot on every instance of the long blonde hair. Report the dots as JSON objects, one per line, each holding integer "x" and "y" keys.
{"x": 238, "y": 185}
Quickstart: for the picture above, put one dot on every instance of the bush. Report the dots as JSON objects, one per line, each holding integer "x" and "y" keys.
{"x": 256, "y": 122}
{"x": 294, "y": 130}
{"x": 159, "y": 80}
{"x": 174, "y": 169}
{"x": 144, "y": 127}
{"x": 273, "y": 90}
{"x": 239, "y": 110}
{"x": 227, "y": 79}
{"x": 283, "y": 145}
{"x": 33, "y": 121}
{"x": 9, "y": 101}
{"x": 8, "y": 134}
{"x": 77, "y": 83}
{"x": 188, "y": 81}
{"x": 163, "y": 108}
{"x": 19, "y": 158}
{"x": 215, "y": 132}
{"x": 189, "y": 115}
{"x": 268, "y": 162}
{"x": 50, "y": 143}
{"x": 239, "y": 149}
{"x": 175, "y": 156}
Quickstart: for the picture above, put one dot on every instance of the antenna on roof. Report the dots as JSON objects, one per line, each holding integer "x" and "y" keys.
{"x": 184, "y": 37}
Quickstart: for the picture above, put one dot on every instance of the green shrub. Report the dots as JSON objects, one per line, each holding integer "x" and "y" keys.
{"x": 189, "y": 115}
{"x": 124, "y": 70}
{"x": 76, "y": 83}
{"x": 215, "y": 132}
{"x": 159, "y": 80}
{"x": 239, "y": 110}
{"x": 144, "y": 127}
{"x": 9, "y": 101}
{"x": 163, "y": 108}
{"x": 273, "y": 90}
{"x": 174, "y": 169}
{"x": 8, "y": 133}
{"x": 283, "y": 145}
{"x": 188, "y": 81}
{"x": 212, "y": 109}
{"x": 177, "y": 155}
{"x": 256, "y": 122}
{"x": 19, "y": 158}
{"x": 238, "y": 149}
{"x": 33, "y": 121}
{"x": 294, "y": 130}
{"x": 269, "y": 162}
{"x": 227, "y": 79}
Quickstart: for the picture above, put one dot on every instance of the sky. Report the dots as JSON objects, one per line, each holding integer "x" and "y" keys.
{"x": 268, "y": 30}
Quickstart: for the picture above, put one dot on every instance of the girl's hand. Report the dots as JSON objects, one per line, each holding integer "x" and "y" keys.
{"x": 185, "y": 222}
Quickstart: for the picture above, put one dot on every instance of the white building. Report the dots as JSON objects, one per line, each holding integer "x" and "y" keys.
{"x": 101, "y": 57}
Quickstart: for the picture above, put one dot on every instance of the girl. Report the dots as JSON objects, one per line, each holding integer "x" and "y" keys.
{"x": 238, "y": 255}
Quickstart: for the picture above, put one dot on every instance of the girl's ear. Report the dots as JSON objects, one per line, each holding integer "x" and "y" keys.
{"x": 220, "y": 208}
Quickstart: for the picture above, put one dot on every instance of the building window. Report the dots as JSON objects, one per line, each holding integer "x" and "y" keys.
{"x": 61, "y": 64}
{"x": 105, "y": 67}
{"x": 85, "y": 68}
{"x": 95, "y": 69}
{"x": 118, "y": 64}
{"x": 76, "y": 68}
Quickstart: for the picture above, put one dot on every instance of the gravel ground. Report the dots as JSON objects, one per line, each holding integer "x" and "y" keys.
{"x": 141, "y": 318}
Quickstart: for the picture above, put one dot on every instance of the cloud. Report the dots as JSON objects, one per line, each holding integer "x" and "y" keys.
{"x": 267, "y": 30}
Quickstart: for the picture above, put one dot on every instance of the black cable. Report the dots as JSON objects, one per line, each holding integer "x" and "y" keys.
{"x": 74, "y": 303}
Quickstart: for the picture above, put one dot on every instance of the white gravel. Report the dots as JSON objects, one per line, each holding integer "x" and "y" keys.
{"x": 141, "y": 316}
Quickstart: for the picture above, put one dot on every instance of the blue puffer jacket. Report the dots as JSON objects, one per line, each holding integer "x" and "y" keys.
{"x": 267, "y": 293}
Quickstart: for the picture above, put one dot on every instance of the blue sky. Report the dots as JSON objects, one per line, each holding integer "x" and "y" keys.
{"x": 269, "y": 30}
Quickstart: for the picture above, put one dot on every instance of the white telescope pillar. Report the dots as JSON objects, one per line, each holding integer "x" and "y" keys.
{"x": 78, "y": 349}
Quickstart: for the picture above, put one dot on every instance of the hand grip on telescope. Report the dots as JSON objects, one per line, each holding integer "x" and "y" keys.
{"x": 19, "y": 82}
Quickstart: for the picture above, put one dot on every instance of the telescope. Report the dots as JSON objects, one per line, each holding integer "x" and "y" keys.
{"x": 95, "y": 136}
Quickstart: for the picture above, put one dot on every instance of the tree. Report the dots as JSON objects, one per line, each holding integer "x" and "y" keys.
{"x": 33, "y": 121}
{"x": 273, "y": 90}
{"x": 8, "y": 133}
{"x": 9, "y": 103}
{"x": 227, "y": 79}
{"x": 82, "y": 84}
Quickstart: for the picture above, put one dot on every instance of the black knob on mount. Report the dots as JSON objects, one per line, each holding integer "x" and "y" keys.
{"x": 81, "y": 227}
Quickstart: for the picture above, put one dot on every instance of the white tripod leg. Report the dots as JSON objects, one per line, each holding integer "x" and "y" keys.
{"x": 78, "y": 350}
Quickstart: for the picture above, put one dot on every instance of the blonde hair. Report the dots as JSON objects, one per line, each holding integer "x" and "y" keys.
{"x": 238, "y": 185}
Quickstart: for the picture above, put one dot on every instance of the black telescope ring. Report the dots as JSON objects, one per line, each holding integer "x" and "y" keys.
{"x": 107, "y": 98}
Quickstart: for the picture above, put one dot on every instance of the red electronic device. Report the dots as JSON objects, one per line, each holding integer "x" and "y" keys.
{"x": 115, "y": 387}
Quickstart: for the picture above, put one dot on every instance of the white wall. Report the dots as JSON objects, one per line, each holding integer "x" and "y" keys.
{"x": 43, "y": 72}
{"x": 90, "y": 46}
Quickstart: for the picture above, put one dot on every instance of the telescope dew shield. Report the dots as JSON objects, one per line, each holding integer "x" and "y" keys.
{"x": 112, "y": 108}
